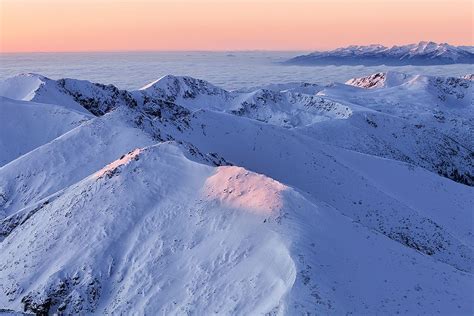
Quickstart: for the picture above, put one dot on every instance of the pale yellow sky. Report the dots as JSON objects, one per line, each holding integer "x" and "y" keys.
{"x": 124, "y": 25}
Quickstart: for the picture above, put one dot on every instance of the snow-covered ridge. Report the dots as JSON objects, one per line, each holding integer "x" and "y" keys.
{"x": 448, "y": 85}
{"x": 282, "y": 105}
{"x": 380, "y": 80}
{"x": 78, "y": 95}
{"x": 189, "y": 199}
{"x": 172, "y": 99}
{"x": 442, "y": 87}
{"x": 225, "y": 231}
{"x": 422, "y": 53}
{"x": 173, "y": 88}
{"x": 287, "y": 107}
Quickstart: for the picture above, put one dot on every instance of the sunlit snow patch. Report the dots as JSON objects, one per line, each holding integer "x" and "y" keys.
{"x": 111, "y": 168}
{"x": 238, "y": 188}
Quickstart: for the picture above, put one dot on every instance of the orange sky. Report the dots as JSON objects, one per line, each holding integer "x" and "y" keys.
{"x": 124, "y": 25}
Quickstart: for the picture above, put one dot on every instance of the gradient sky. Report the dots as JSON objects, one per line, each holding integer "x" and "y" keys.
{"x": 125, "y": 25}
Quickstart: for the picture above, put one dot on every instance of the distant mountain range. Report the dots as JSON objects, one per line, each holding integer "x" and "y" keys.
{"x": 422, "y": 53}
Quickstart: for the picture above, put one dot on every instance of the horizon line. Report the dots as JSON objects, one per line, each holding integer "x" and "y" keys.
{"x": 160, "y": 51}
{"x": 212, "y": 50}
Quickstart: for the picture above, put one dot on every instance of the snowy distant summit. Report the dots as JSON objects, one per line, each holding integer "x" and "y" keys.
{"x": 422, "y": 53}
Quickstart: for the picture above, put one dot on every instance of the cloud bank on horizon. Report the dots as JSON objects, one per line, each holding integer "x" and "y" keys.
{"x": 52, "y": 25}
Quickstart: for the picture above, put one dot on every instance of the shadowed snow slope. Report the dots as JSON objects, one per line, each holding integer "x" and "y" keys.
{"x": 27, "y": 125}
{"x": 184, "y": 198}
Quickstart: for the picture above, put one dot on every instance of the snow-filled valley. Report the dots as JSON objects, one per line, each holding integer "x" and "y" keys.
{"x": 183, "y": 197}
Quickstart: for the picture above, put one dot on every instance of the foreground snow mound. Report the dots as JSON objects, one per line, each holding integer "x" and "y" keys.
{"x": 422, "y": 53}
{"x": 25, "y": 126}
{"x": 156, "y": 225}
{"x": 157, "y": 233}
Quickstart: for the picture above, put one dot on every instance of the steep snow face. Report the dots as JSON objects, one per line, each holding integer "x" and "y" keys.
{"x": 25, "y": 126}
{"x": 422, "y": 53}
{"x": 441, "y": 102}
{"x": 79, "y": 95}
{"x": 391, "y": 137}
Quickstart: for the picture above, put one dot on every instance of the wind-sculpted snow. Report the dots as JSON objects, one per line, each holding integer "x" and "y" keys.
{"x": 422, "y": 53}
{"x": 185, "y": 198}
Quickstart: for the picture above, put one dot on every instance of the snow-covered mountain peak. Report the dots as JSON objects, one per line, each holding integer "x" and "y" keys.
{"x": 183, "y": 89}
{"x": 380, "y": 80}
{"x": 422, "y": 53}
{"x": 435, "y": 50}
{"x": 22, "y": 86}
{"x": 153, "y": 207}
